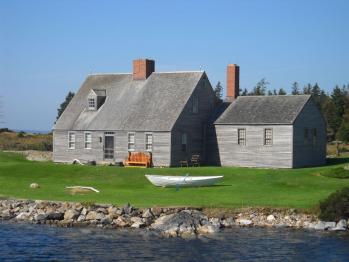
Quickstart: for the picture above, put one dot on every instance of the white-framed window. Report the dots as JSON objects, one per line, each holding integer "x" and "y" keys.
{"x": 149, "y": 142}
{"x": 91, "y": 103}
{"x": 242, "y": 136}
{"x": 71, "y": 140}
{"x": 184, "y": 141}
{"x": 88, "y": 140}
{"x": 195, "y": 104}
{"x": 131, "y": 141}
{"x": 268, "y": 136}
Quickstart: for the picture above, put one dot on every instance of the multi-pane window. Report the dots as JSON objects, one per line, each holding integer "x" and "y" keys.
{"x": 88, "y": 140}
{"x": 268, "y": 137}
{"x": 242, "y": 137}
{"x": 195, "y": 104}
{"x": 131, "y": 142}
{"x": 71, "y": 140}
{"x": 91, "y": 104}
{"x": 148, "y": 142}
{"x": 184, "y": 142}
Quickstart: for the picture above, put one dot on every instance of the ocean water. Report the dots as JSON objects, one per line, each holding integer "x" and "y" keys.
{"x": 25, "y": 242}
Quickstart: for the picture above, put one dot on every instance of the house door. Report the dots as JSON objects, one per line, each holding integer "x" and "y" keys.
{"x": 108, "y": 146}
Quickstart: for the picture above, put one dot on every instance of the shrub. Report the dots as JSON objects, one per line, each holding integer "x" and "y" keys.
{"x": 338, "y": 172}
{"x": 336, "y": 206}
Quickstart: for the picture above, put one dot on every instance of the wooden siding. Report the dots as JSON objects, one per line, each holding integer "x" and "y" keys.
{"x": 255, "y": 153}
{"x": 61, "y": 153}
{"x": 307, "y": 153}
{"x": 193, "y": 124}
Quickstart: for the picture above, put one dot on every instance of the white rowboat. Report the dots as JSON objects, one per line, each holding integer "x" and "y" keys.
{"x": 182, "y": 181}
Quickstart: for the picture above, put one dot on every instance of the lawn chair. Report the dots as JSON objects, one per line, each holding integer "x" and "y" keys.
{"x": 183, "y": 163}
{"x": 195, "y": 160}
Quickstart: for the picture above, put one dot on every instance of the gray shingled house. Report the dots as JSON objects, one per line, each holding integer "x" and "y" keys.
{"x": 271, "y": 131}
{"x": 113, "y": 114}
{"x": 174, "y": 115}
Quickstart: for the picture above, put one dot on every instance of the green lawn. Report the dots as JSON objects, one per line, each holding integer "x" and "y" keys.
{"x": 241, "y": 187}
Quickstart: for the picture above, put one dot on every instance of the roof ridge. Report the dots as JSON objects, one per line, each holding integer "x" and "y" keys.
{"x": 175, "y": 72}
{"x": 101, "y": 74}
{"x": 267, "y": 96}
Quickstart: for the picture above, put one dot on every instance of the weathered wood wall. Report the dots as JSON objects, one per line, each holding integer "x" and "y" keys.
{"x": 193, "y": 124}
{"x": 305, "y": 153}
{"x": 61, "y": 152}
{"x": 255, "y": 153}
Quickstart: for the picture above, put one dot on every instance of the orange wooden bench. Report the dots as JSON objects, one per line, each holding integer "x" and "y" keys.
{"x": 138, "y": 159}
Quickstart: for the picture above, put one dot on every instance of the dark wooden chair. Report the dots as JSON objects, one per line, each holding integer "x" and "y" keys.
{"x": 183, "y": 163}
{"x": 195, "y": 160}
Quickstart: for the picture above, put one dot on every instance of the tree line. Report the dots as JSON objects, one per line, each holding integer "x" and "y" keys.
{"x": 334, "y": 104}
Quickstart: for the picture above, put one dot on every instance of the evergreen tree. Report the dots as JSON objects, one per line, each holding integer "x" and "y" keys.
{"x": 260, "y": 88}
{"x": 244, "y": 92}
{"x": 307, "y": 89}
{"x": 295, "y": 89}
{"x": 62, "y": 107}
{"x": 282, "y": 92}
{"x": 343, "y": 131}
{"x": 218, "y": 90}
{"x": 334, "y": 109}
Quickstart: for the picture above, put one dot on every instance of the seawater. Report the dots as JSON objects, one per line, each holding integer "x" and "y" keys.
{"x": 27, "y": 242}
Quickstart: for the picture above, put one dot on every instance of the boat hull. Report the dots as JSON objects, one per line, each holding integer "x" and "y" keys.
{"x": 183, "y": 181}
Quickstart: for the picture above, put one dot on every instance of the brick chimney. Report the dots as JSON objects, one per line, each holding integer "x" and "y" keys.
{"x": 142, "y": 68}
{"x": 233, "y": 77}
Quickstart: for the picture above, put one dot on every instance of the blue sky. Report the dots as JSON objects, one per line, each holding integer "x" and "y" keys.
{"x": 48, "y": 47}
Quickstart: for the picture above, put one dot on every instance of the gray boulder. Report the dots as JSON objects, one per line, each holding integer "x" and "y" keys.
{"x": 93, "y": 215}
{"x": 244, "y": 222}
{"x": 55, "y": 216}
{"x": 23, "y": 216}
{"x": 71, "y": 214}
{"x": 184, "y": 224}
{"x": 322, "y": 225}
{"x": 340, "y": 226}
{"x": 228, "y": 222}
{"x": 127, "y": 209}
{"x": 147, "y": 213}
{"x": 40, "y": 217}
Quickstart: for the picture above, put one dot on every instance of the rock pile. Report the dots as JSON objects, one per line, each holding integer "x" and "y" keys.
{"x": 171, "y": 222}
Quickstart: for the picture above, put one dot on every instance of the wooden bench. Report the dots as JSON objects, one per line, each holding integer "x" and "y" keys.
{"x": 138, "y": 159}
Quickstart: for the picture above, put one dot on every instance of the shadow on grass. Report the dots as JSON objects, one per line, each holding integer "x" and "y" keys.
{"x": 337, "y": 161}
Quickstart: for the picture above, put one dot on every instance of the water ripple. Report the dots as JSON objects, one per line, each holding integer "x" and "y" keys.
{"x": 23, "y": 242}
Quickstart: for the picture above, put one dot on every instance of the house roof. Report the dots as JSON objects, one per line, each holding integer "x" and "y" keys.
{"x": 263, "y": 110}
{"x": 153, "y": 104}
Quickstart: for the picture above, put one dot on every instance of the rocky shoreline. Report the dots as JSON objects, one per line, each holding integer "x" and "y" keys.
{"x": 170, "y": 222}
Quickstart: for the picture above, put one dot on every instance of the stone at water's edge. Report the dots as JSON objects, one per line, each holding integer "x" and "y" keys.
{"x": 270, "y": 218}
{"x": 181, "y": 222}
{"x": 184, "y": 223}
{"x": 244, "y": 222}
{"x": 340, "y": 226}
{"x": 71, "y": 214}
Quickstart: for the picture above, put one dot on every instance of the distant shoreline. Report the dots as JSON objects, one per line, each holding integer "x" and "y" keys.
{"x": 32, "y": 131}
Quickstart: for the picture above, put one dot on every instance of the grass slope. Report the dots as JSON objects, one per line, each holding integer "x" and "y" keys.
{"x": 241, "y": 187}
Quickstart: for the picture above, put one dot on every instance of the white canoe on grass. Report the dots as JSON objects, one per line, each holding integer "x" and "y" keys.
{"x": 183, "y": 181}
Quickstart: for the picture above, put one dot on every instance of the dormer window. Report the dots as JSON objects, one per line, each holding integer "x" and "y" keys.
{"x": 96, "y": 99}
{"x": 91, "y": 104}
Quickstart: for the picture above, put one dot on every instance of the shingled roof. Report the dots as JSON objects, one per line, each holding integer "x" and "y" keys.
{"x": 153, "y": 104}
{"x": 263, "y": 110}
